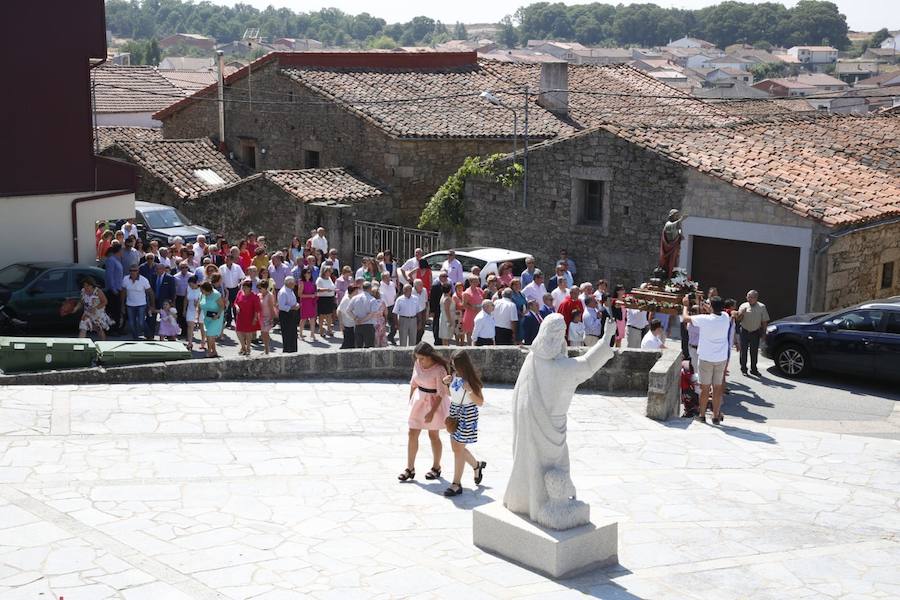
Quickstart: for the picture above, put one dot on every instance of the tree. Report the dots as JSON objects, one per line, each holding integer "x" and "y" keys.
{"x": 459, "y": 32}
{"x": 152, "y": 54}
{"x": 878, "y": 37}
{"x": 508, "y": 35}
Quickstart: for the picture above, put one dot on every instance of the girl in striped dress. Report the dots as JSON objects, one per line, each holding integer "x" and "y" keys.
{"x": 465, "y": 398}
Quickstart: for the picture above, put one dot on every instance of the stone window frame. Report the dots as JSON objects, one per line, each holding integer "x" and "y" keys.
{"x": 579, "y": 175}
{"x": 886, "y": 280}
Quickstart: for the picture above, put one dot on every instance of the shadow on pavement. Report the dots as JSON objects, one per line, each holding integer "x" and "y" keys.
{"x": 852, "y": 384}
{"x": 738, "y": 395}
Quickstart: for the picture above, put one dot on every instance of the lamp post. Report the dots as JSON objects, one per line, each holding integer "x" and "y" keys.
{"x": 489, "y": 97}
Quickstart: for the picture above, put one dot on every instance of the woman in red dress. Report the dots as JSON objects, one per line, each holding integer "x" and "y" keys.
{"x": 249, "y": 313}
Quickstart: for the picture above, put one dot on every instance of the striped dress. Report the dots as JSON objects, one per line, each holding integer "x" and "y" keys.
{"x": 462, "y": 408}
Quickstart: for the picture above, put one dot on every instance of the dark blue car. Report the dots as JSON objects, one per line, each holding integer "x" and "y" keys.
{"x": 861, "y": 340}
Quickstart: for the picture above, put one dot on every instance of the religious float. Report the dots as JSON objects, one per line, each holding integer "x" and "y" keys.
{"x": 665, "y": 291}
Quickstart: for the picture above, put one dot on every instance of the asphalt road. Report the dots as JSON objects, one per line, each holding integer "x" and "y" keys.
{"x": 822, "y": 402}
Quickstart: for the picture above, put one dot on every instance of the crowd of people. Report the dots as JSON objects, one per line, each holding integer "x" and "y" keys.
{"x": 200, "y": 289}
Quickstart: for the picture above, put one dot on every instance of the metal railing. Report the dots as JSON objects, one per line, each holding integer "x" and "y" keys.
{"x": 371, "y": 238}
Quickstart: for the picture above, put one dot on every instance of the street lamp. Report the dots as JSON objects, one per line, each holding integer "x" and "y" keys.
{"x": 491, "y": 98}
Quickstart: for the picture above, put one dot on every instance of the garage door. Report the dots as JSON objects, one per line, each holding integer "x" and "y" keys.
{"x": 735, "y": 267}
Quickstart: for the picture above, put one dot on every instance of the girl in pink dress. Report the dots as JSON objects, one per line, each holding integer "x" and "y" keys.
{"x": 429, "y": 400}
{"x": 306, "y": 294}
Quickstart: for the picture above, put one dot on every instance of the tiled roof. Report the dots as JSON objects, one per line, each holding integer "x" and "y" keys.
{"x": 453, "y": 108}
{"x": 336, "y": 185}
{"x": 176, "y": 162}
{"x": 838, "y": 170}
{"x": 107, "y": 136}
{"x": 120, "y": 89}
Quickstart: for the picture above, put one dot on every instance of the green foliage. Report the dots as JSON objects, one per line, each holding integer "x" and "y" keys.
{"x": 773, "y": 70}
{"x": 809, "y": 22}
{"x": 446, "y": 209}
{"x": 143, "y": 52}
{"x": 383, "y": 42}
{"x": 878, "y": 37}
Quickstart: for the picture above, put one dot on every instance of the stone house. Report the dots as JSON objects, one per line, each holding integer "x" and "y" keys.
{"x": 216, "y": 192}
{"x": 404, "y": 121}
{"x": 805, "y": 209}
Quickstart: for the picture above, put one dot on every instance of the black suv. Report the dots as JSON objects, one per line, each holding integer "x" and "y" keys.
{"x": 162, "y": 223}
{"x": 860, "y": 340}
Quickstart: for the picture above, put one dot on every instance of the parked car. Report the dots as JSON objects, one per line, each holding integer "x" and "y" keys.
{"x": 33, "y": 293}
{"x": 860, "y": 340}
{"x": 488, "y": 259}
{"x": 161, "y": 222}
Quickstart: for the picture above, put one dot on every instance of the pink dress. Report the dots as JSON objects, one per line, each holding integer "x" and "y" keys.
{"x": 307, "y": 305}
{"x": 421, "y": 401}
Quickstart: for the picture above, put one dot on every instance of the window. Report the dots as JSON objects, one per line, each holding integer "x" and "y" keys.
{"x": 310, "y": 159}
{"x": 887, "y": 275}
{"x": 208, "y": 176}
{"x": 893, "y": 323}
{"x": 860, "y": 320}
{"x": 54, "y": 282}
{"x": 592, "y": 202}
{"x": 248, "y": 154}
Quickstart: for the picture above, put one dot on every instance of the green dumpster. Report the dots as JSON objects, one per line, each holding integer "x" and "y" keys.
{"x": 110, "y": 354}
{"x": 42, "y": 354}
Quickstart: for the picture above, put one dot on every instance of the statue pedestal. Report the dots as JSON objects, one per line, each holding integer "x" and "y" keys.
{"x": 551, "y": 552}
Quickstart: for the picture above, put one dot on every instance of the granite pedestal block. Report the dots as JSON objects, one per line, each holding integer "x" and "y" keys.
{"x": 555, "y": 553}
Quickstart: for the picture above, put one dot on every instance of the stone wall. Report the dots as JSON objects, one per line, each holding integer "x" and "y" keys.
{"x": 259, "y": 205}
{"x": 854, "y": 264}
{"x": 410, "y": 170}
{"x": 628, "y": 371}
{"x": 640, "y": 188}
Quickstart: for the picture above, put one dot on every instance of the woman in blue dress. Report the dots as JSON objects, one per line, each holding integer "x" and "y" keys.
{"x": 212, "y": 307}
{"x": 465, "y": 398}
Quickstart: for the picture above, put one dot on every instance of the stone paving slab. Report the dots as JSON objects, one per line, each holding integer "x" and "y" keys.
{"x": 288, "y": 490}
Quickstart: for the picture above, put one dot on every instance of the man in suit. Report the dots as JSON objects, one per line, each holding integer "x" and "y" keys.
{"x": 532, "y": 322}
{"x": 163, "y": 286}
{"x": 547, "y": 308}
{"x": 434, "y": 304}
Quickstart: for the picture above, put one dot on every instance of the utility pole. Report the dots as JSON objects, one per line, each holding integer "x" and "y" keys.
{"x": 221, "y": 64}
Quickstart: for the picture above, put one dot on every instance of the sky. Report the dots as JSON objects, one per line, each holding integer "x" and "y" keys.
{"x": 862, "y": 15}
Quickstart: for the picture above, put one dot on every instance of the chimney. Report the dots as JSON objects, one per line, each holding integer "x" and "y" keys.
{"x": 555, "y": 76}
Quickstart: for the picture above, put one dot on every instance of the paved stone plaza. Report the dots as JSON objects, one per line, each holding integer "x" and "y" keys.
{"x": 288, "y": 490}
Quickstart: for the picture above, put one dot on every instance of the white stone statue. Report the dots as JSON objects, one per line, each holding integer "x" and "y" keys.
{"x": 540, "y": 487}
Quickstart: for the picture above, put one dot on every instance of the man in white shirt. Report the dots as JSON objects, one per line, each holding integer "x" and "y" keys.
{"x": 655, "y": 338}
{"x": 712, "y": 352}
{"x": 506, "y": 319}
{"x": 348, "y": 323}
{"x": 232, "y": 276}
{"x": 593, "y": 326}
{"x": 405, "y": 315}
{"x": 199, "y": 250}
{"x": 484, "y": 331}
{"x": 454, "y": 268}
{"x": 136, "y": 296}
{"x": 407, "y": 269}
{"x": 129, "y": 229}
{"x": 536, "y": 289}
{"x": 560, "y": 293}
{"x": 421, "y": 295}
{"x": 360, "y": 307}
{"x": 636, "y": 324}
{"x": 319, "y": 241}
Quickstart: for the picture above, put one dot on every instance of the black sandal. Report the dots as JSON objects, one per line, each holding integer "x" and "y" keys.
{"x": 407, "y": 474}
{"x": 478, "y": 473}
{"x": 434, "y": 473}
{"x": 450, "y": 492}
